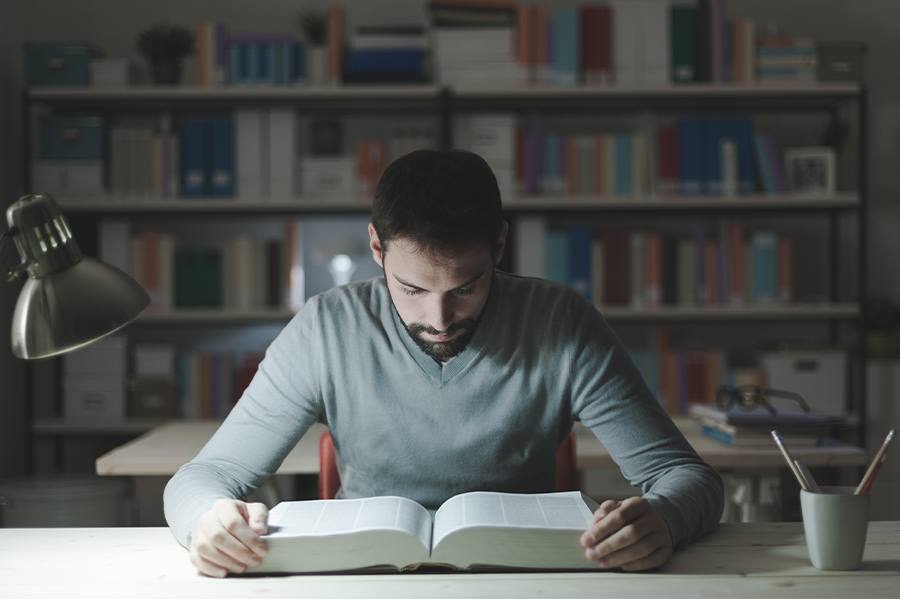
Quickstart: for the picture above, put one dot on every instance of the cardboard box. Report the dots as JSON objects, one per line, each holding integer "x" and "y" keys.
{"x": 152, "y": 397}
{"x": 58, "y": 63}
{"x": 110, "y": 72}
{"x": 820, "y": 376}
{"x": 841, "y": 61}
{"x": 94, "y": 400}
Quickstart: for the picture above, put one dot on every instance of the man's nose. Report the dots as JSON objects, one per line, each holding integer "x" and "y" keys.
{"x": 441, "y": 315}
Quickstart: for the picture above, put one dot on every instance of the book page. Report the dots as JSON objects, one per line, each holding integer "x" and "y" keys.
{"x": 347, "y": 534}
{"x": 528, "y": 531}
{"x": 331, "y": 517}
{"x": 559, "y": 510}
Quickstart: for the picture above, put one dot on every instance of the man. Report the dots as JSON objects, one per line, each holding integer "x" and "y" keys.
{"x": 446, "y": 376}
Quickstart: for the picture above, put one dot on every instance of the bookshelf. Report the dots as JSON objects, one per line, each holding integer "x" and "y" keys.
{"x": 446, "y": 105}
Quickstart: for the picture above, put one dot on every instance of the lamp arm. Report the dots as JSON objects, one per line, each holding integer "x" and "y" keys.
{"x": 13, "y": 273}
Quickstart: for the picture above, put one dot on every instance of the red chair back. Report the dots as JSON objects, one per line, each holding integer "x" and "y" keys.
{"x": 330, "y": 479}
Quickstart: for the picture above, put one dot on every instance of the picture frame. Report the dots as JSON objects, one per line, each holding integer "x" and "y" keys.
{"x": 810, "y": 170}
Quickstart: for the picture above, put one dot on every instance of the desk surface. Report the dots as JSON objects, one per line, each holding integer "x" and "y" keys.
{"x": 749, "y": 560}
{"x": 165, "y": 448}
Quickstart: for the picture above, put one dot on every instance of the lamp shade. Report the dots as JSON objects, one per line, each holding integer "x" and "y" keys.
{"x": 69, "y": 300}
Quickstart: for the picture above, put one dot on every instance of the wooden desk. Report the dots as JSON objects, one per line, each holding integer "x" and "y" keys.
{"x": 164, "y": 449}
{"x": 738, "y": 560}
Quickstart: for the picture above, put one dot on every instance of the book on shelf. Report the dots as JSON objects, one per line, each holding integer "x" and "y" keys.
{"x": 755, "y": 437}
{"x": 470, "y": 531}
{"x": 760, "y": 417}
{"x": 727, "y": 266}
{"x": 687, "y": 157}
{"x": 387, "y": 54}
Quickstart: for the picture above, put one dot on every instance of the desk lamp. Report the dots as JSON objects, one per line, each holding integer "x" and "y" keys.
{"x": 69, "y": 300}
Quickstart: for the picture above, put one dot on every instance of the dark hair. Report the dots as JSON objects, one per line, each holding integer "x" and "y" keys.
{"x": 441, "y": 200}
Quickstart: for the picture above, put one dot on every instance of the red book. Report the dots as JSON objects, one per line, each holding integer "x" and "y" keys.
{"x": 653, "y": 254}
{"x": 378, "y": 158}
{"x": 711, "y": 270}
{"x": 738, "y": 262}
{"x": 151, "y": 260}
{"x": 526, "y": 40}
{"x": 668, "y": 160}
{"x": 668, "y": 372}
{"x": 695, "y": 373}
{"x": 200, "y": 61}
{"x": 542, "y": 43}
{"x": 785, "y": 269}
{"x": 335, "y": 22}
{"x": 596, "y": 49}
{"x": 713, "y": 375}
{"x": 246, "y": 372}
{"x": 616, "y": 257}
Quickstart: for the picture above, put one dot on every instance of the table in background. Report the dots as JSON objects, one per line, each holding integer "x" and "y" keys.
{"x": 738, "y": 560}
{"x": 162, "y": 450}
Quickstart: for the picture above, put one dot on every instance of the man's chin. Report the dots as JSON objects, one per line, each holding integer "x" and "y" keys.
{"x": 444, "y": 351}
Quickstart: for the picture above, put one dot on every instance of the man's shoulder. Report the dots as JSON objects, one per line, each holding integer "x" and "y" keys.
{"x": 359, "y": 296}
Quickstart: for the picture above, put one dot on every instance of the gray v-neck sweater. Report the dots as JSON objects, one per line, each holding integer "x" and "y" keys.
{"x": 490, "y": 419}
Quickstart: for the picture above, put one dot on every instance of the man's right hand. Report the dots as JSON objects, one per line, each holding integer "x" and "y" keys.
{"x": 226, "y": 538}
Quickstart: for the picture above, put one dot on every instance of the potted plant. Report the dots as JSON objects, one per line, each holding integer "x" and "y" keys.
{"x": 164, "y": 46}
{"x": 313, "y": 26}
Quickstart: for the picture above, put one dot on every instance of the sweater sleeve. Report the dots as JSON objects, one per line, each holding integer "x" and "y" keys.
{"x": 610, "y": 397}
{"x": 278, "y": 406}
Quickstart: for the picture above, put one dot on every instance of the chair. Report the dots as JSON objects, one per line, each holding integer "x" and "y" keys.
{"x": 330, "y": 479}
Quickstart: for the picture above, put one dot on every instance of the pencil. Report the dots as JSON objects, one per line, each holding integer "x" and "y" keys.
{"x": 811, "y": 484}
{"x": 790, "y": 460}
{"x": 866, "y": 483}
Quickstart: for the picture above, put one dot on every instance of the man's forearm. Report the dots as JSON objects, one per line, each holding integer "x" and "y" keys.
{"x": 191, "y": 492}
{"x": 690, "y": 499}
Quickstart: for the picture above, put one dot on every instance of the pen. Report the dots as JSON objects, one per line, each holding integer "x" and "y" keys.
{"x": 790, "y": 460}
{"x": 869, "y": 478}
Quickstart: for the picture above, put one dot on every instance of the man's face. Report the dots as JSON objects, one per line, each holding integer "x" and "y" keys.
{"x": 439, "y": 297}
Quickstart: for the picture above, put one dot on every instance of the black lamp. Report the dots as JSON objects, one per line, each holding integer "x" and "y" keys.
{"x": 69, "y": 300}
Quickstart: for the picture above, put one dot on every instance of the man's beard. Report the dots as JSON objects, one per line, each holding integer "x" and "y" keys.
{"x": 443, "y": 351}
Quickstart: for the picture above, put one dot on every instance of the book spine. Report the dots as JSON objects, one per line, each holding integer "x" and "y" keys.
{"x": 684, "y": 39}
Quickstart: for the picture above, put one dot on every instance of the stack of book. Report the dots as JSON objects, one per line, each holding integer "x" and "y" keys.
{"x": 475, "y": 42}
{"x": 751, "y": 428}
{"x": 386, "y": 54}
{"x": 781, "y": 58}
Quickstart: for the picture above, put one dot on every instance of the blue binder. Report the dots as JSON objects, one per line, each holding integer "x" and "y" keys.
{"x": 741, "y": 131}
{"x": 299, "y": 62}
{"x": 690, "y": 137}
{"x": 221, "y": 178}
{"x": 193, "y": 157}
{"x": 580, "y": 259}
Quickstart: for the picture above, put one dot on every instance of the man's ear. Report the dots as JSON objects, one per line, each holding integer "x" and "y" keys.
{"x": 500, "y": 244}
{"x": 375, "y": 246}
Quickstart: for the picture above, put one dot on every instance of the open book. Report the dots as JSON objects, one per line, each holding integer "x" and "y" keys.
{"x": 471, "y": 530}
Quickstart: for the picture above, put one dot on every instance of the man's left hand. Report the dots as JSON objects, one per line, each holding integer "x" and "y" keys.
{"x": 629, "y": 535}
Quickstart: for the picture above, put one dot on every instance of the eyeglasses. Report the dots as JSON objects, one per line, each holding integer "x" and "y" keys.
{"x": 748, "y": 397}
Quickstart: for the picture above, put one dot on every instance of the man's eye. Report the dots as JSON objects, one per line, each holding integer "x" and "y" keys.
{"x": 411, "y": 291}
{"x": 463, "y": 291}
